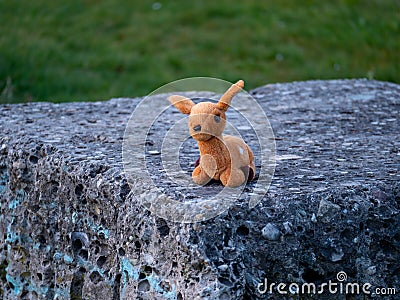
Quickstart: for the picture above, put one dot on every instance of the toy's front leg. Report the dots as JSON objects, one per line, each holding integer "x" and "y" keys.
{"x": 203, "y": 173}
{"x": 200, "y": 177}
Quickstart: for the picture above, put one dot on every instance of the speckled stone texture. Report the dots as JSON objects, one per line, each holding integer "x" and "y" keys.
{"x": 70, "y": 227}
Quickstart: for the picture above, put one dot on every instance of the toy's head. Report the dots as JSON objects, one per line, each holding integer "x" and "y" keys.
{"x": 206, "y": 119}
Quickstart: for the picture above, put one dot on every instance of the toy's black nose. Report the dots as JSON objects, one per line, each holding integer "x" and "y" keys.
{"x": 197, "y": 128}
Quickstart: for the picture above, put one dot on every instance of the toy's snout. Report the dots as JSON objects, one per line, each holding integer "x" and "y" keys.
{"x": 197, "y": 128}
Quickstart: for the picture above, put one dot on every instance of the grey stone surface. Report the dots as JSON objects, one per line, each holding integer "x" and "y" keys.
{"x": 70, "y": 227}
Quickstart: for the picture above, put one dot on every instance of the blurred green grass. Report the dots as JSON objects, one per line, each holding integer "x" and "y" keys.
{"x": 92, "y": 50}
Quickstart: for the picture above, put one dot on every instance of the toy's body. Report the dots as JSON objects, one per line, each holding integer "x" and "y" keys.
{"x": 225, "y": 158}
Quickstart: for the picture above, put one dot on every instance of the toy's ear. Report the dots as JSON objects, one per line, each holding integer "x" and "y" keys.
{"x": 226, "y": 98}
{"x": 183, "y": 104}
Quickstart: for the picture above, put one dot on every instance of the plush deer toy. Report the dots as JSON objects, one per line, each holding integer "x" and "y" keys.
{"x": 225, "y": 158}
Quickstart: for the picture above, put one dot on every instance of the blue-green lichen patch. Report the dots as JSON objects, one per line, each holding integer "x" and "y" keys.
{"x": 18, "y": 199}
{"x": 100, "y": 230}
{"x": 14, "y": 283}
{"x": 15, "y": 235}
{"x": 147, "y": 280}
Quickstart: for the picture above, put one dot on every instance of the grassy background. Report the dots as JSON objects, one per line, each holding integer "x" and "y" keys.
{"x": 90, "y": 50}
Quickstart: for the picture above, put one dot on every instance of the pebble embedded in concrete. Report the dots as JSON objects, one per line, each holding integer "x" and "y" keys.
{"x": 271, "y": 232}
{"x": 327, "y": 211}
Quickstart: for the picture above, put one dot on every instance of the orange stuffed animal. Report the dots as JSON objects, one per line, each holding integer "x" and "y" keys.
{"x": 225, "y": 158}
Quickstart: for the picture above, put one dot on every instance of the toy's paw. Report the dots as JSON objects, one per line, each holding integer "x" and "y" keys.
{"x": 233, "y": 178}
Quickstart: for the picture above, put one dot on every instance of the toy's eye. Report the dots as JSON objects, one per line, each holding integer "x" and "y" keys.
{"x": 217, "y": 119}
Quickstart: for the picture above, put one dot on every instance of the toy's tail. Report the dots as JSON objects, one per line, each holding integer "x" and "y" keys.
{"x": 226, "y": 98}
